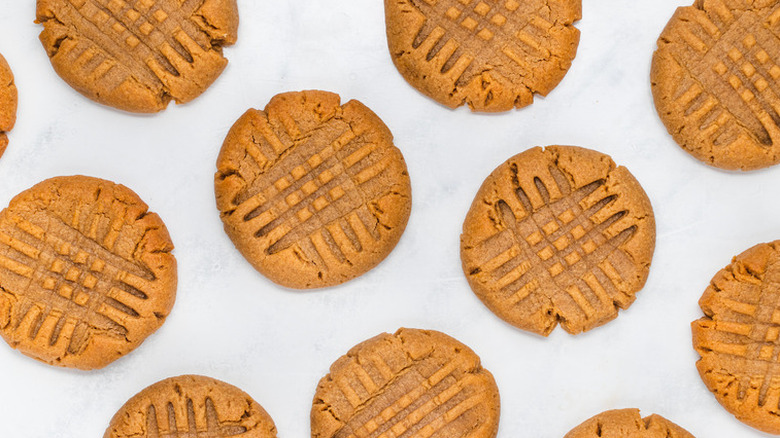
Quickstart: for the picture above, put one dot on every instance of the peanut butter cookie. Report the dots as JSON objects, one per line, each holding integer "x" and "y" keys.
{"x": 8, "y": 102}
{"x": 715, "y": 82}
{"x": 138, "y": 55}
{"x": 627, "y": 423}
{"x": 492, "y": 55}
{"x": 558, "y": 235}
{"x": 191, "y": 406}
{"x": 86, "y": 272}
{"x": 313, "y": 193}
{"x": 739, "y": 337}
{"x": 413, "y": 383}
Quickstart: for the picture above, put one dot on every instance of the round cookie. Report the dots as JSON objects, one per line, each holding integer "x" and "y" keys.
{"x": 412, "y": 383}
{"x": 492, "y": 55}
{"x": 138, "y": 55}
{"x": 715, "y": 82}
{"x": 627, "y": 423}
{"x": 86, "y": 272}
{"x": 8, "y": 102}
{"x": 311, "y": 192}
{"x": 191, "y": 406}
{"x": 558, "y": 235}
{"x": 739, "y": 337}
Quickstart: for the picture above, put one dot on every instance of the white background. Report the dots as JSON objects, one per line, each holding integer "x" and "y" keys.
{"x": 231, "y": 323}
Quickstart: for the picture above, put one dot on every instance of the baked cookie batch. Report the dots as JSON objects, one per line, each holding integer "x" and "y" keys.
{"x": 314, "y": 193}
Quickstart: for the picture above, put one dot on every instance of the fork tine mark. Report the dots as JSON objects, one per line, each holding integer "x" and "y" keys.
{"x": 542, "y": 189}
{"x": 79, "y": 337}
{"x": 152, "y": 427}
{"x": 172, "y": 426}
{"x": 404, "y": 424}
{"x": 192, "y": 426}
{"x": 16, "y": 267}
{"x": 20, "y": 246}
{"x": 327, "y": 246}
{"x": 57, "y": 330}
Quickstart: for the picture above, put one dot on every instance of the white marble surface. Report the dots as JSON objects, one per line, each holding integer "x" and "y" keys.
{"x": 231, "y": 323}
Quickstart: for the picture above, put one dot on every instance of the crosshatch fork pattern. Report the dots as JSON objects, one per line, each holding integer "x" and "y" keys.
{"x": 214, "y": 428}
{"x": 151, "y": 37}
{"x": 406, "y": 386}
{"x": 334, "y": 182}
{"x": 562, "y": 249}
{"x": 313, "y": 193}
{"x": 75, "y": 286}
{"x": 508, "y": 30}
{"x": 421, "y": 401}
{"x": 138, "y": 55}
{"x": 316, "y": 197}
{"x": 732, "y": 84}
{"x": 744, "y": 332}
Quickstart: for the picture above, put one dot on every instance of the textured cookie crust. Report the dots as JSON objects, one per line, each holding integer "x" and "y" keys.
{"x": 492, "y": 55}
{"x": 311, "y": 192}
{"x": 739, "y": 338}
{"x": 86, "y": 272}
{"x": 191, "y": 406}
{"x": 413, "y": 383}
{"x": 715, "y": 81}
{"x": 8, "y": 101}
{"x": 627, "y": 423}
{"x": 558, "y": 235}
{"x": 138, "y": 55}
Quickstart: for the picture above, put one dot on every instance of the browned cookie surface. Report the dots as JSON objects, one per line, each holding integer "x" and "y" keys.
{"x": 313, "y": 193}
{"x": 8, "y": 102}
{"x": 137, "y": 55}
{"x": 86, "y": 272}
{"x": 414, "y": 383}
{"x": 492, "y": 55}
{"x": 715, "y": 81}
{"x": 627, "y": 423}
{"x": 739, "y": 338}
{"x": 191, "y": 406}
{"x": 558, "y": 235}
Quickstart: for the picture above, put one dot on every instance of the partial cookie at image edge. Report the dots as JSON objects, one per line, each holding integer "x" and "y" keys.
{"x": 193, "y": 405}
{"x": 8, "y": 103}
{"x": 712, "y": 80}
{"x": 447, "y": 50}
{"x": 738, "y": 337}
{"x": 421, "y": 373}
{"x": 627, "y": 423}
{"x": 138, "y": 59}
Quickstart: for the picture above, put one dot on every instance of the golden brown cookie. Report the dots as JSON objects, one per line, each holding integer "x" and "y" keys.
{"x": 138, "y": 55}
{"x": 627, "y": 423}
{"x": 415, "y": 383}
{"x": 558, "y": 235}
{"x": 191, "y": 406}
{"x": 715, "y": 79}
{"x": 8, "y": 101}
{"x": 739, "y": 338}
{"x": 491, "y": 55}
{"x": 86, "y": 272}
{"x": 313, "y": 193}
